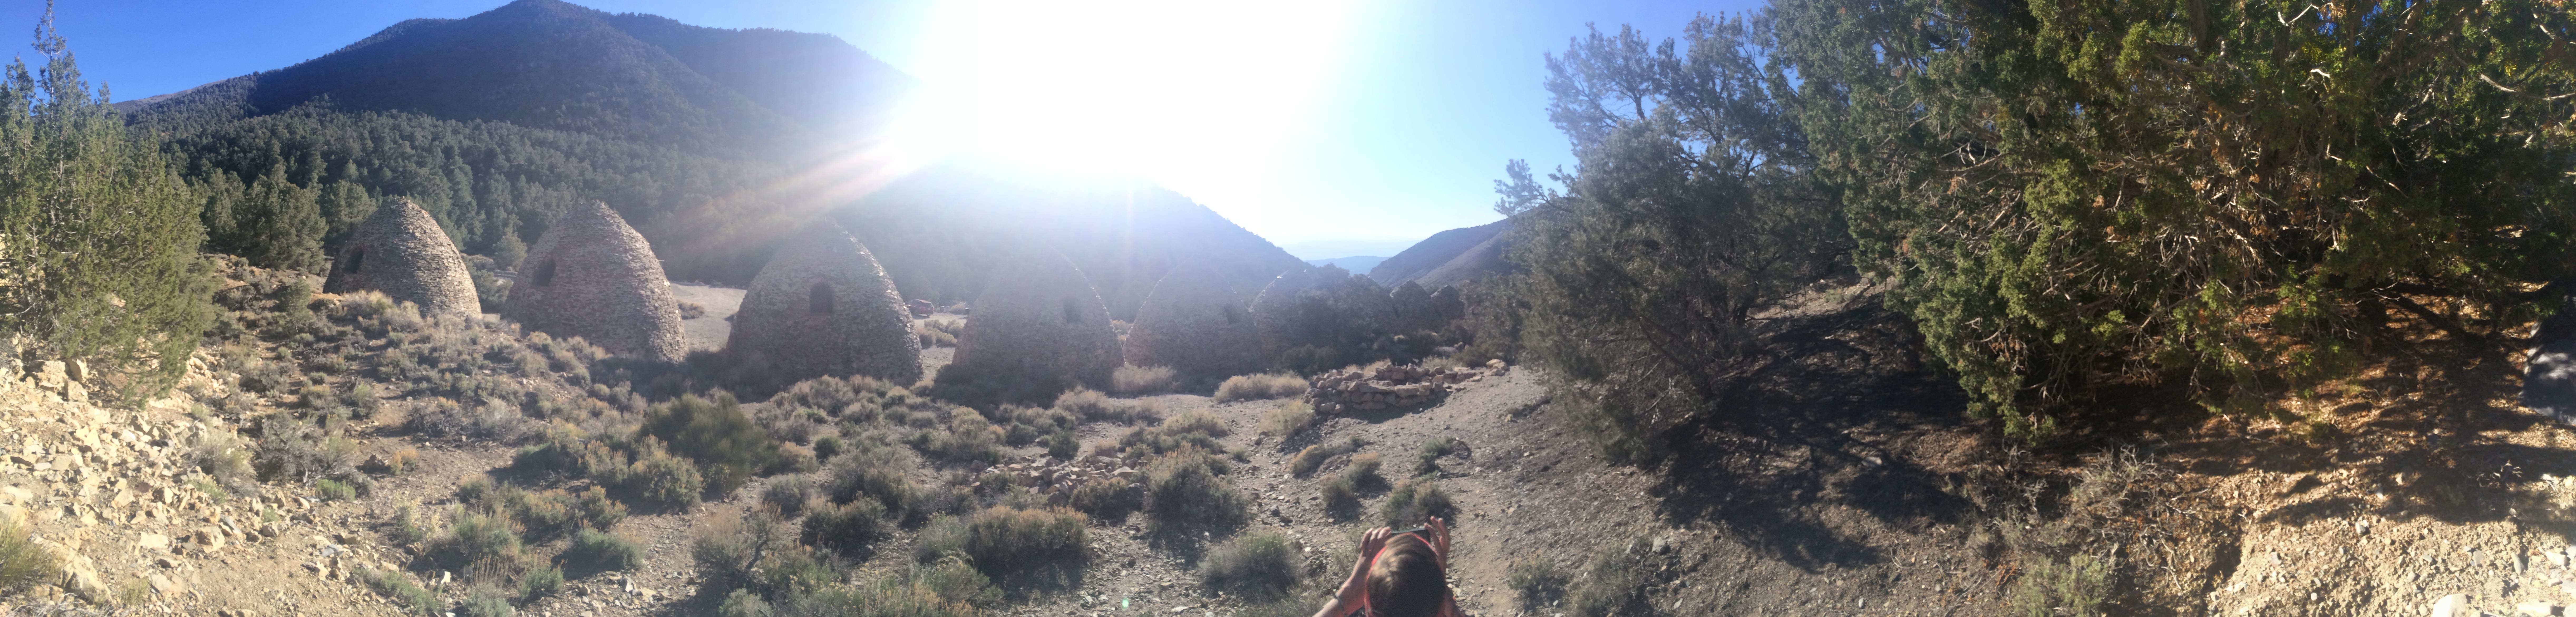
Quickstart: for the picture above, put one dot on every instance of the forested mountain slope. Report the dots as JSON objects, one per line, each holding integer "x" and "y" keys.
{"x": 707, "y": 140}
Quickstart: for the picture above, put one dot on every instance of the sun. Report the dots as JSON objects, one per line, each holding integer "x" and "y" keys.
{"x": 1182, "y": 92}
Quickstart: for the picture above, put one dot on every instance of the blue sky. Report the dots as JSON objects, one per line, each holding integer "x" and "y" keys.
{"x": 1324, "y": 120}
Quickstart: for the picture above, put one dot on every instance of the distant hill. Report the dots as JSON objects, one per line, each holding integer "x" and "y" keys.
{"x": 1330, "y": 249}
{"x": 942, "y": 229}
{"x": 1448, "y": 257}
{"x": 1354, "y": 264}
{"x": 707, "y": 140}
{"x": 552, "y": 65}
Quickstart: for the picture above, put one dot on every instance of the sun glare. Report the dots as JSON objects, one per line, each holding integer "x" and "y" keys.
{"x": 1182, "y": 92}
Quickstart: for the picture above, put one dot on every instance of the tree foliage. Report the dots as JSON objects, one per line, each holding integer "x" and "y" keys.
{"x": 2231, "y": 197}
{"x": 1691, "y": 208}
{"x": 98, "y": 237}
{"x": 2233, "y": 194}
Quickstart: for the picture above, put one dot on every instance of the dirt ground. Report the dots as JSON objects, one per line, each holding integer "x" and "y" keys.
{"x": 1845, "y": 482}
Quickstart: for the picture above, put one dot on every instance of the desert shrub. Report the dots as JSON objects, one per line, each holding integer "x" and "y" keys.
{"x": 223, "y": 457}
{"x": 967, "y": 439}
{"x": 954, "y": 580}
{"x": 734, "y": 551}
{"x": 1062, "y": 445}
{"x": 1363, "y": 469}
{"x": 1341, "y": 496}
{"x": 787, "y": 494}
{"x": 401, "y": 592}
{"x": 1313, "y": 457}
{"x": 1415, "y": 501}
{"x": 793, "y": 458}
{"x": 1614, "y": 585}
{"x": 1187, "y": 486}
{"x": 1107, "y": 499}
{"x": 293, "y": 450}
{"x": 692, "y": 310}
{"x": 545, "y": 515}
{"x": 1085, "y": 403}
{"x": 744, "y": 603}
{"x": 23, "y": 563}
{"x": 1201, "y": 422}
{"x": 1288, "y": 418}
{"x": 1427, "y": 459}
{"x": 659, "y": 478}
{"x": 826, "y": 447}
{"x": 405, "y": 527}
{"x": 1257, "y": 565}
{"x": 727, "y": 445}
{"x": 2049, "y": 586}
{"x": 592, "y": 548}
{"x": 876, "y": 472}
{"x": 540, "y": 580}
{"x": 793, "y": 571}
{"x": 1260, "y": 386}
{"x": 889, "y": 597}
{"x": 850, "y": 528}
{"x": 1002, "y": 540}
{"x": 334, "y": 490}
{"x": 597, "y": 511}
{"x": 1132, "y": 380}
{"x": 491, "y": 420}
{"x": 931, "y": 337}
{"x": 1536, "y": 582}
{"x": 486, "y": 601}
{"x": 473, "y": 538}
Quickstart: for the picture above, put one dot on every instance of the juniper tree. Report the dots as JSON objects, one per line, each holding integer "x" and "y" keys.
{"x": 1689, "y": 210}
{"x": 98, "y": 236}
{"x": 2229, "y": 194}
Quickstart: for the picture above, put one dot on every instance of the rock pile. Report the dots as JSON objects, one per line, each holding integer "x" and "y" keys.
{"x": 1194, "y": 323}
{"x": 823, "y": 307}
{"x": 401, "y": 252}
{"x": 1390, "y": 386}
{"x": 593, "y": 277}
{"x": 1038, "y": 321}
{"x": 1045, "y": 477}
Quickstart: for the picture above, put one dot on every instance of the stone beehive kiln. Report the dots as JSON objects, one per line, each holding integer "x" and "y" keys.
{"x": 593, "y": 277}
{"x": 1275, "y": 311}
{"x": 401, "y": 252}
{"x": 823, "y": 307}
{"x": 1451, "y": 302}
{"x": 1389, "y": 386}
{"x": 1194, "y": 322}
{"x": 1039, "y": 320}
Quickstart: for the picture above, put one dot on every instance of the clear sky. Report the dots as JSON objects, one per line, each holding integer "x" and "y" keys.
{"x": 1302, "y": 121}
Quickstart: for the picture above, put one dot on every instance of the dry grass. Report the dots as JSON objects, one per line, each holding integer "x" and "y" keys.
{"x": 1288, "y": 418}
{"x": 1260, "y": 386}
{"x": 1135, "y": 380}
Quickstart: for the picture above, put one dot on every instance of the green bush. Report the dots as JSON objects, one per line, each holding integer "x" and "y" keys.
{"x": 1313, "y": 457}
{"x": 890, "y": 597}
{"x": 851, "y": 528}
{"x": 1260, "y": 386}
{"x": 1062, "y": 445}
{"x": 1341, "y": 496}
{"x": 1107, "y": 499}
{"x": 1187, "y": 486}
{"x": 23, "y": 563}
{"x": 334, "y": 490}
{"x": 662, "y": 479}
{"x": 475, "y": 538}
{"x": 1003, "y": 541}
{"x": 726, "y": 444}
{"x": 404, "y": 595}
{"x": 967, "y": 439}
{"x": 954, "y": 580}
{"x": 602, "y": 550}
{"x": 1426, "y": 461}
{"x": 486, "y": 601}
{"x": 880, "y": 473}
{"x": 1260, "y": 565}
{"x": 540, "y": 580}
{"x": 787, "y": 494}
{"x": 735, "y": 551}
{"x": 1416, "y": 501}
{"x": 743, "y": 603}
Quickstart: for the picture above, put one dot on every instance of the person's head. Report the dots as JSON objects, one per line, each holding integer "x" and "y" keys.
{"x": 1406, "y": 579}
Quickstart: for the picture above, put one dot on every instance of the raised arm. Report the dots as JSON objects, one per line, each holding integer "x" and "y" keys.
{"x": 1355, "y": 590}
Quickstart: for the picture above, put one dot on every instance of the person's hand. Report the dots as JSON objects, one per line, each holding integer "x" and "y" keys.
{"x": 1440, "y": 541}
{"x": 1370, "y": 543}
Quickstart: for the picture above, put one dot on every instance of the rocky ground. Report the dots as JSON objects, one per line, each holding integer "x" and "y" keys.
{"x": 1848, "y": 484}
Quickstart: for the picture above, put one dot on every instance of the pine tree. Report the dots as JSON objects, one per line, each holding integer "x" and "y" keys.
{"x": 98, "y": 236}
{"x": 281, "y": 224}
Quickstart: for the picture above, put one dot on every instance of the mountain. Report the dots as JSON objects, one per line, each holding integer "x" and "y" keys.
{"x": 1354, "y": 264}
{"x": 713, "y": 143}
{"x": 940, "y": 230}
{"x": 552, "y": 65}
{"x": 1457, "y": 255}
{"x": 1329, "y": 249}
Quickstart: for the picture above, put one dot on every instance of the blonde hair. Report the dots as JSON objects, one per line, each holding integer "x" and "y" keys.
{"x": 1406, "y": 580}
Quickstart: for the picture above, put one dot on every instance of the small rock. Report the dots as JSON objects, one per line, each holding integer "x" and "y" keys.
{"x": 2454, "y": 605}
{"x": 153, "y": 541}
{"x": 2537, "y": 609}
{"x": 83, "y": 581}
{"x": 163, "y": 585}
